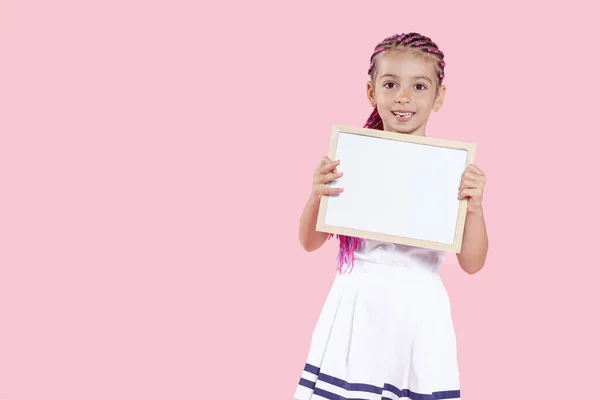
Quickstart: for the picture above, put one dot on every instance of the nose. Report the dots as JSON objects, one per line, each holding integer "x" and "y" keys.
{"x": 403, "y": 97}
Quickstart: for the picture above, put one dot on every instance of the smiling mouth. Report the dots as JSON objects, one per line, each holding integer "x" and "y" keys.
{"x": 403, "y": 116}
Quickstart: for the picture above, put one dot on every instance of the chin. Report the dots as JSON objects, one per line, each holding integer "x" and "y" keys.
{"x": 401, "y": 129}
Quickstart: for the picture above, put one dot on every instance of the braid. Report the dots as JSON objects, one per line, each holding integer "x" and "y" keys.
{"x": 410, "y": 40}
{"x": 349, "y": 244}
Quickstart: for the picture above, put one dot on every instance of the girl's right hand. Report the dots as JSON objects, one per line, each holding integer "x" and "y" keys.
{"x": 325, "y": 173}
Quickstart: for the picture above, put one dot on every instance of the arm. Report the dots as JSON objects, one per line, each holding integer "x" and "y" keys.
{"x": 475, "y": 240}
{"x": 309, "y": 237}
{"x": 475, "y": 243}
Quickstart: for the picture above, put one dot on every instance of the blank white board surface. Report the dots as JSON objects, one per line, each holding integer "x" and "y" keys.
{"x": 403, "y": 189}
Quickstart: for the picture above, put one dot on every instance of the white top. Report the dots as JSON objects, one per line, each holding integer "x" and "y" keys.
{"x": 392, "y": 254}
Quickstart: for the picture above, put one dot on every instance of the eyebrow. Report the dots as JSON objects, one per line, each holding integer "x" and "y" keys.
{"x": 396, "y": 77}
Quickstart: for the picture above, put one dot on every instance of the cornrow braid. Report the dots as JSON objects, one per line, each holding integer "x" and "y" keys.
{"x": 410, "y": 40}
{"x": 349, "y": 244}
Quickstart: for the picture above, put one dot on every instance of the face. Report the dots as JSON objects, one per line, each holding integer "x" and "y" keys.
{"x": 404, "y": 92}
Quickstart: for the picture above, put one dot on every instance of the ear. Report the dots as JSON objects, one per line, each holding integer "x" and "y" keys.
{"x": 439, "y": 99}
{"x": 371, "y": 93}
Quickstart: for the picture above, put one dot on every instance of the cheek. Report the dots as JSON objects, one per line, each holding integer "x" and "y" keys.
{"x": 383, "y": 97}
{"x": 426, "y": 102}
{"x": 389, "y": 95}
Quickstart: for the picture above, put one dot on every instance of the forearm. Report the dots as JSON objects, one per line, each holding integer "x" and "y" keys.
{"x": 475, "y": 243}
{"x": 310, "y": 238}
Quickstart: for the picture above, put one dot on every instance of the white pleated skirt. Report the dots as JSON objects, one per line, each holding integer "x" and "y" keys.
{"x": 385, "y": 332}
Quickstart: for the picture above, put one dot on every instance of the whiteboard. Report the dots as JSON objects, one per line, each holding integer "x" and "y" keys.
{"x": 397, "y": 188}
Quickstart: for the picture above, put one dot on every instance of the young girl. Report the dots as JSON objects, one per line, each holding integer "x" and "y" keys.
{"x": 385, "y": 331}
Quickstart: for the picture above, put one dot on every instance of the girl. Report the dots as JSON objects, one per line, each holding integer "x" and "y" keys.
{"x": 385, "y": 331}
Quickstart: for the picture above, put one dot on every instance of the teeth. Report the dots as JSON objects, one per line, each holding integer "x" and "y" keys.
{"x": 403, "y": 115}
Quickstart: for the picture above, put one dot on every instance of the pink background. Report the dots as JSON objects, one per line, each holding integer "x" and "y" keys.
{"x": 155, "y": 158}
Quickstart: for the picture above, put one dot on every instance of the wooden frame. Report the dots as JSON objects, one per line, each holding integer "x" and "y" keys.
{"x": 455, "y": 245}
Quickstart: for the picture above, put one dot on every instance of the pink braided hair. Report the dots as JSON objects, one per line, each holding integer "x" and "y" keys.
{"x": 349, "y": 244}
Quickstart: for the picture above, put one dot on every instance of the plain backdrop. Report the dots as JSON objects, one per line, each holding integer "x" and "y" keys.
{"x": 155, "y": 157}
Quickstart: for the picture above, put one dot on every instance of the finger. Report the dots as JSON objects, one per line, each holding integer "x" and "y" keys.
{"x": 324, "y": 160}
{"x": 329, "y": 177}
{"x": 328, "y": 190}
{"x": 472, "y": 180}
{"x": 475, "y": 169}
{"x": 468, "y": 184}
{"x": 333, "y": 191}
{"x": 473, "y": 193}
{"x": 471, "y": 175}
{"x": 328, "y": 166}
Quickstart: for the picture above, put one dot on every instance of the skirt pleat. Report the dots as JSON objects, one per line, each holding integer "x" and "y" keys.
{"x": 384, "y": 333}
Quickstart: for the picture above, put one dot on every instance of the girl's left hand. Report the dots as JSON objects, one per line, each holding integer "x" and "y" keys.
{"x": 471, "y": 187}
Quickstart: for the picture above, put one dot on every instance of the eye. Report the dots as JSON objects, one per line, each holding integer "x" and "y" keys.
{"x": 420, "y": 86}
{"x": 387, "y": 85}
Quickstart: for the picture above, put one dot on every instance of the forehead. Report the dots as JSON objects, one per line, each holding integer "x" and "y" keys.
{"x": 405, "y": 64}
